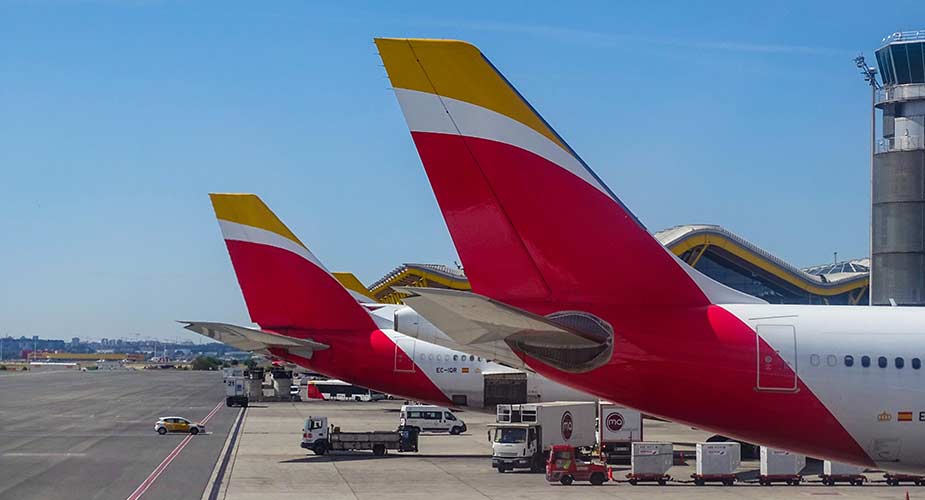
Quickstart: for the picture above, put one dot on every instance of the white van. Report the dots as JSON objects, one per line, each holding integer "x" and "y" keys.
{"x": 431, "y": 418}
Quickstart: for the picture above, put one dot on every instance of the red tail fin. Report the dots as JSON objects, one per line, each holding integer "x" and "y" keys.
{"x": 522, "y": 207}
{"x": 284, "y": 284}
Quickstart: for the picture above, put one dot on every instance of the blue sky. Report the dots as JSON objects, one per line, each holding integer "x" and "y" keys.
{"x": 118, "y": 117}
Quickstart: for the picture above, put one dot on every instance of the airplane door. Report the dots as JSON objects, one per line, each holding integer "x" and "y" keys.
{"x": 776, "y": 348}
{"x": 404, "y": 355}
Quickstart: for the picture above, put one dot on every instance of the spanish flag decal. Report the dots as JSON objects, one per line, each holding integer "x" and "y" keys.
{"x": 465, "y": 370}
{"x": 904, "y": 416}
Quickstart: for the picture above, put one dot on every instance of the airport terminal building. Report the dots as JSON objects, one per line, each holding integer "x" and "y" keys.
{"x": 713, "y": 250}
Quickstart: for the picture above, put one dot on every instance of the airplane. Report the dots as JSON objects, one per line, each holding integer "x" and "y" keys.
{"x": 306, "y": 317}
{"x": 592, "y": 300}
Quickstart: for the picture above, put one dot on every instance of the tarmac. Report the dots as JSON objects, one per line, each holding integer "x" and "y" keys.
{"x": 267, "y": 463}
{"x": 68, "y": 434}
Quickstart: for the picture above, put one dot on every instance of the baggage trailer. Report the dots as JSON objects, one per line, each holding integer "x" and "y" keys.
{"x": 717, "y": 462}
{"x": 650, "y": 462}
{"x": 618, "y": 428}
{"x": 321, "y": 438}
{"x": 896, "y": 479}
{"x": 780, "y": 466}
{"x": 837, "y": 472}
{"x": 524, "y": 433}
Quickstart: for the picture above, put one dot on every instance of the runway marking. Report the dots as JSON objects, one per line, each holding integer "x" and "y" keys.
{"x": 156, "y": 473}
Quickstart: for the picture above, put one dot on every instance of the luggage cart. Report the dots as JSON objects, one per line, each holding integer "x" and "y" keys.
{"x": 702, "y": 479}
{"x": 661, "y": 479}
{"x": 852, "y": 479}
{"x": 790, "y": 479}
{"x": 896, "y": 479}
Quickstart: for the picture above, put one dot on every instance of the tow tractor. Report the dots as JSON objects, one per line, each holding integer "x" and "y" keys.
{"x": 565, "y": 466}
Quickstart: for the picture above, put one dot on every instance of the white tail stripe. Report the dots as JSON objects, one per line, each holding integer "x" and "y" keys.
{"x": 426, "y": 112}
{"x": 250, "y": 234}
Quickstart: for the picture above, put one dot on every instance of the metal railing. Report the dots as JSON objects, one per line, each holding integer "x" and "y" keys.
{"x": 904, "y": 36}
{"x": 901, "y": 143}
{"x": 905, "y": 92}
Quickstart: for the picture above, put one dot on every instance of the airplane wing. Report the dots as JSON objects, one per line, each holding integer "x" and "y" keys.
{"x": 253, "y": 340}
{"x": 474, "y": 320}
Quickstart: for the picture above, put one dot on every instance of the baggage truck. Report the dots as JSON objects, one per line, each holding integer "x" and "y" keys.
{"x": 235, "y": 393}
{"x": 524, "y": 433}
{"x": 618, "y": 428}
{"x": 321, "y": 438}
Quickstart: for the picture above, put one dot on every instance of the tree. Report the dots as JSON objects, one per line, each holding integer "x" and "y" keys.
{"x": 205, "y": 363}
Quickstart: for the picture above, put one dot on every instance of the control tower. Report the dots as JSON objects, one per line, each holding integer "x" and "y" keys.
{"x": 898, "y": 191}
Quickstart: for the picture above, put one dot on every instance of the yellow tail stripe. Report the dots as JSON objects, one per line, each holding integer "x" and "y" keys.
{"x": 458, "y": 70}
{"x": 250, "y": 210}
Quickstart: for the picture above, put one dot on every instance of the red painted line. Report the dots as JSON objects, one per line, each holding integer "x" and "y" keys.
{"x": 143, "y": 487}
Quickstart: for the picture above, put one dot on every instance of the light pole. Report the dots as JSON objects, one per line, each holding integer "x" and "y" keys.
{"x": 870, "y": 76}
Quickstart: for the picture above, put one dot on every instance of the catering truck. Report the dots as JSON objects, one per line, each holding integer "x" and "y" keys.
{"x": 618, "y": 427}
{"x": 320, "y": 438}
{"x": 524, "y": 433}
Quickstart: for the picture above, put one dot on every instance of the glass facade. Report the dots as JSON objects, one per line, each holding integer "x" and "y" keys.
{"x": 745, "y": 277}
{"x": 902, "y": 63}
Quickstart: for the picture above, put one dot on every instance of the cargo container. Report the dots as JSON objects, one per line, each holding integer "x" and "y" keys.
{"x": 717, "y": 462}
{"x": 651, "y": 461}
{"x": 524, "y": 433}
{"x": 780, "y": 466}
{"x": 837, "y": 472}
{"x": 618, "y": 428}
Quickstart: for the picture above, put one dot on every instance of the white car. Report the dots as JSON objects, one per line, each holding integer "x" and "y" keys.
{"x": 431, "y": 418}
{"x": 178, "y": 424}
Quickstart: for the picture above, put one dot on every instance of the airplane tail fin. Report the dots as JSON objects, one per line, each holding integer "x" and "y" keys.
{"x": 530, "y": 220}
{"x": 284, "y": 285}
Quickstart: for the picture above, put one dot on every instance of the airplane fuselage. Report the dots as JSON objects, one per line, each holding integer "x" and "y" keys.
{"x": 393, "y": 363}
{"x": 837, "y": 382}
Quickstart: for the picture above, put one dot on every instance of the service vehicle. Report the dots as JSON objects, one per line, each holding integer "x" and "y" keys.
{"x": 340, "y": 390}
{"x": 430, "y": 418}
{"x": 321, "y": 438}
{"x": 178, "y": 424}
{"x": 565, "y": 465}
{"x": 524, "y": 433}
{"x": 235, "y": 391}
{"x": 618, "y": 428}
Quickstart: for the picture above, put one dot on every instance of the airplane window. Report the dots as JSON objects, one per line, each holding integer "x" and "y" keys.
{"x": 430, "y": 356}
{"x": 849, "y": 360}
{"x": 421, "y": 357}
{"x": 900, "y": 362}
{"x": 439, "y": 358}
{"x": 881, "y": 362}
{"x": 831, "y": 360}
{"x": 814, "y": 359}
{"x": 471, "y": 358}
{"x": 916, "y": 363}
{"x": 865, "y": 361}
{"x": 456, "y": 357}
